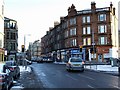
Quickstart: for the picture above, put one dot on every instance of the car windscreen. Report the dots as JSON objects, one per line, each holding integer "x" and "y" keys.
{"x": 76, "y": 60}
{"x": 10, "y": 63}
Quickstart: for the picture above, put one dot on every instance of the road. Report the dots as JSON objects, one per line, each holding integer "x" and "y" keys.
{"x": 55, "y": 76}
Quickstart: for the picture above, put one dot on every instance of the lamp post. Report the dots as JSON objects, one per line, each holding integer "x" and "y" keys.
{"x": 24, "y": 62}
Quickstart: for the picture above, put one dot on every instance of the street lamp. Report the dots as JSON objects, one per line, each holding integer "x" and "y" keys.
{"x": 24, "y": 62}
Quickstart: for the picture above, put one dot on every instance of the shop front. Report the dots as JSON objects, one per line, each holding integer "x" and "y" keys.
{"x": 1, "y": 55}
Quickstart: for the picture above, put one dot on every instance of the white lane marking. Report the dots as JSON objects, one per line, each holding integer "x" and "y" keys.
{"x": 43, "y": 74}
{"x": 86, "y": 77}
{"x": 71, "y": 77}
{"x": 90, "y": 86}
{"x": 116, "y": 87}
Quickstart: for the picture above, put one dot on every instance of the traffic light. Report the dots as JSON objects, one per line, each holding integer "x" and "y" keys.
{"x": 80, "y": 48}
{"x": 23, "y": 48}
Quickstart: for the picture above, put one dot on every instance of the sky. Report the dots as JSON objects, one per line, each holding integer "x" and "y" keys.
{"x": 34, "y": 17}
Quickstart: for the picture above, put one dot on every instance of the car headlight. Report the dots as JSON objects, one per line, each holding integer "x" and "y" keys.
{"x": 70, "y": 64}
{"x": 83, "y": 62}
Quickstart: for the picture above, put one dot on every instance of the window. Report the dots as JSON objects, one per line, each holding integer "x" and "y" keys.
{"x": 8, "y": 25}
{"x": 73, "y": 42}
{"x": 102, "y": 29}
{"x": 65, "y": 25}
{"x": 58, "y": 37}
{"x": 86, "y": 19}
{"x": 87, "y": 41}
{"x": 66, "y": 43}
{"x": 84, "y": 41}
{"x": 13, "y": 36}
{"x": 73, "y": 31}
{"x": 72, "y": 21}
{"x": 83, "y": 20}
{"x": 88, "y": 30}
{"x": 102, "y": 17}
{"x": 66, "y": 33}
{"x": 7, "y": 35}
{"x": 102, "y": 40}
{"x": 84, "y": 30}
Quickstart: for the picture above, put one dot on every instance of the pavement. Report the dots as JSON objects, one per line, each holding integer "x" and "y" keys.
{"x": 99, "y": 67}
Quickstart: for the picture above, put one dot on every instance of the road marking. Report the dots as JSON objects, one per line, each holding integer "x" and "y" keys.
{"x": 43, "y": 74}
{"x": 116, "y": 87}
{"x": 71, "y": 77}
{"x": 86, "y": 77}
{"x": 90, "y": 86}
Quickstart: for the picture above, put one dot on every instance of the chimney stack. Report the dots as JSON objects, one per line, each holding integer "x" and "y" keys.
{"x": 56, "y": 23}
{"x": 93, "y": 5}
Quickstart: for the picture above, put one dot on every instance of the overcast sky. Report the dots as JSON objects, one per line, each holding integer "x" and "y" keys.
{"x": 34, "y": 17}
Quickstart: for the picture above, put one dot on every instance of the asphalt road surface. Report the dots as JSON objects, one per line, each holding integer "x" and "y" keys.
{"x": 55, "y": 76}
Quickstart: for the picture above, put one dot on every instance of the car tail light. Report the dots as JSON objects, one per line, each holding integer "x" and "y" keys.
{"x": 2, "y": 78}
{"x": 69, "y": 63}
{"x": 11, "y": 69}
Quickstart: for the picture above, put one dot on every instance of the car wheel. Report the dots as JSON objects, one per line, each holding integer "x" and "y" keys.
{"x": 19, "y": 75}
{"x": 6, "y": 87}
{"x": 82, "y": 70}
{"x": 12, "y": 82}
{"x": 68, "y": 70}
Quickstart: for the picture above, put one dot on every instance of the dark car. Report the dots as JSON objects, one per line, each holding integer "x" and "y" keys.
{"x": 14, "y": 68}
{"x": 6, "y": 77}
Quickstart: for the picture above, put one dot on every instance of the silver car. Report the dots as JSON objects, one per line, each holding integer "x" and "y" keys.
{"x": 75, "y": 63}
{"x": 14, "y": 68}
{"x": 6, "y": 77}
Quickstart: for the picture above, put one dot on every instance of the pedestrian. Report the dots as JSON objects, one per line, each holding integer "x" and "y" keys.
{"x": 25, "y": 63}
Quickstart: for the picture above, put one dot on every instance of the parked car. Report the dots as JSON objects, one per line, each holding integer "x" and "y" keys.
{"x": 75, "y": 63}
{"x": 49, "y": 60}
{"x": 33, "y": 59}
{"x": 6, "y": 77}
{"x": 39, "y": 60}
{"x": 14, "y": 68}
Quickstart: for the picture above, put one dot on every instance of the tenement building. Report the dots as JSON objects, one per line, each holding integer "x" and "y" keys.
{"x": 119, "y": 25}
{"x": 2, "y": 30}
{"x": 10, "y": 38}
{"x": 91, "y": 34}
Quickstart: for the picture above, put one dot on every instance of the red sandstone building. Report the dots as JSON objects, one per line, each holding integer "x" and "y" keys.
{"x": 94, "y": 30}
